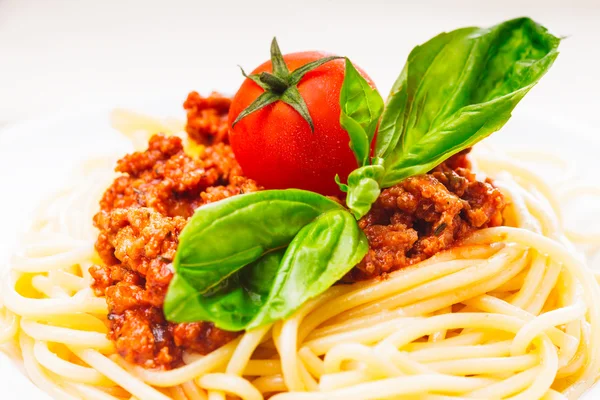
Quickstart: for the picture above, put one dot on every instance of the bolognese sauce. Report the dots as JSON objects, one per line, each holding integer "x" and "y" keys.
{"x": 424, "y": 215}
{"x": 207, "y": 118}
{"x": 143, "y": 212}
{"x": 141, "y": 216}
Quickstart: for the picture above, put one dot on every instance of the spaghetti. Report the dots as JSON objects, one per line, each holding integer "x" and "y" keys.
{"x": 514, "y": 312}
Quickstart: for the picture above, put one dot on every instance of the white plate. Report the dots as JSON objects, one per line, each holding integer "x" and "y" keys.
{"x": 35, "y": 157}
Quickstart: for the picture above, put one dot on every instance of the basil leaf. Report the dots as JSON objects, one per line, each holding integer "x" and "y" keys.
{"x": 457, "y": 89}
{"x": 319, "y": 256}
{"x": 363, "y": 188}
{"x": 279, "y": 282}
{"x": 230, "y": 305}
{"x": 224, "y": 236}
{"x": 361, "y": 106}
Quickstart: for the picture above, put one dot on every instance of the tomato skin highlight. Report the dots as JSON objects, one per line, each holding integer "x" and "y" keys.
{"x": 275, "y": 145}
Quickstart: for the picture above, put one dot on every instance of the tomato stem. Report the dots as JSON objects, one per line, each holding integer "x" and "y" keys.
{"x": 275, "y": 84}
{"x": 280, "y": 85}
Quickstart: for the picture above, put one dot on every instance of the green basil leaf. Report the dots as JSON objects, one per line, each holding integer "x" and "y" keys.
{"x": 359, "y": 140}
{"x": 457, "y": 89}
{"x": 230, "y": 305}
{"x": 320, "y": 254}
{"x": 279, "y": 282}
{"x": 224, "y": 236}
{"x": 363, "y": 188}
{"x": 361, "y": 106}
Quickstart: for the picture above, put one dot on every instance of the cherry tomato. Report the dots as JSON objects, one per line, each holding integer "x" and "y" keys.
{"x": 275, "y": 145}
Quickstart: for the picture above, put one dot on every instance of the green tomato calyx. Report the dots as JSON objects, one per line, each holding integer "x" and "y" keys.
{"x": 281, "y": 85}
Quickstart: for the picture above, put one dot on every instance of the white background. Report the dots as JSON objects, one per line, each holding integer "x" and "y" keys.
{"x": 56, "y": 53}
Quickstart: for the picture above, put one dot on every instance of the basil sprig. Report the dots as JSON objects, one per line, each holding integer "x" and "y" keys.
{"x": 251, "y": 259}
{"x": 455, "y": 90}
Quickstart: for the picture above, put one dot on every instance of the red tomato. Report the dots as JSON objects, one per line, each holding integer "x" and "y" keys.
{"x": 275, "y": 145}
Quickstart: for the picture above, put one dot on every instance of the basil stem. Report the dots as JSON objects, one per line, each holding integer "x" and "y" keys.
{"x": 363, "y": 187}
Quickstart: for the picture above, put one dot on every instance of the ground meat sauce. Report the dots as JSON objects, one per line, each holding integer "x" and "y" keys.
{"x": 141, "y": 216}
{"x": 207, "y": 118}
{"x": 145, "y": 209}
{"x": 425, "y": 214}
